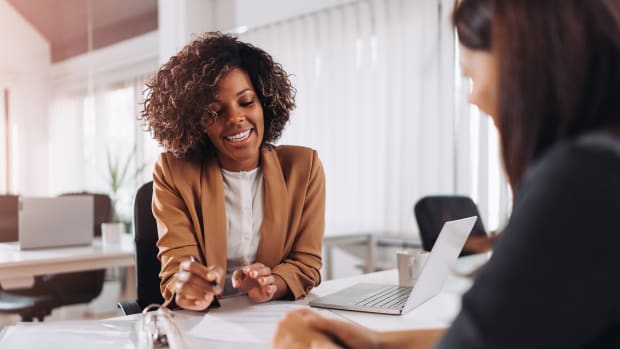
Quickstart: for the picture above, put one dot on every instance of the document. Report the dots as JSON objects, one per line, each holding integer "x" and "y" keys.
{"x": 243, "y": 322}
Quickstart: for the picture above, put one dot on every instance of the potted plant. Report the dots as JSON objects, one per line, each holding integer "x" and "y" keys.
{"x": 119, "y": 177}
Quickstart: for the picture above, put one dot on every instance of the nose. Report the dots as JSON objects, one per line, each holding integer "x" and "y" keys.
{"x": 236, "y": 116}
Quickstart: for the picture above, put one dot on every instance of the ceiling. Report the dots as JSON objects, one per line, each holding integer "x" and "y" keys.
{"x": 64, "y": 23}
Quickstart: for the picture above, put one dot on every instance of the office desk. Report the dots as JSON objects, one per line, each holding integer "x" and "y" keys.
{"x": 18, "y": 268}
{"x": 119, "y": 332}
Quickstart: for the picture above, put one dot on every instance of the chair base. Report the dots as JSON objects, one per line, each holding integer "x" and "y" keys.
{"x": 28, "y": 307}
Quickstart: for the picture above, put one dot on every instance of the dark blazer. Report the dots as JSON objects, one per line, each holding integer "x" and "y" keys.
{"x": 188, "y": 204}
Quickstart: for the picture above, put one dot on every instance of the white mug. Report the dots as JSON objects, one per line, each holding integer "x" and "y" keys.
{"x": 410, "y": 265}
{"x": 111, "y": 233}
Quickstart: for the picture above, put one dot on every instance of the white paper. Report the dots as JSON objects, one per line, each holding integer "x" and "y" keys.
{"x": 242, "y": 322}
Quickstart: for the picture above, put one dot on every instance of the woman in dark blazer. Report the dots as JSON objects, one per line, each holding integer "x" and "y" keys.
{"x": 235, "y": 214}
{"x": 548, "y": 73}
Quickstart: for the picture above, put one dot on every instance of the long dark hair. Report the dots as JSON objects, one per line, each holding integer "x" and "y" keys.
{"x": 559, "y": 69}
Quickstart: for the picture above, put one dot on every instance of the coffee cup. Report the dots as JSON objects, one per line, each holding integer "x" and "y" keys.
{"x": 111, "y": 233}
{"x": 410, "y": 265}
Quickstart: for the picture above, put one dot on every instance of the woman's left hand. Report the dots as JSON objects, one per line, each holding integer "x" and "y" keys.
{"x": 258, "y": 281}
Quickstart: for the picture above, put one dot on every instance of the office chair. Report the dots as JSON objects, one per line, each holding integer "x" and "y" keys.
{"x": 57, "y": 290}
{"x": 431, "y": 212}
{"x": 147, "y": 264}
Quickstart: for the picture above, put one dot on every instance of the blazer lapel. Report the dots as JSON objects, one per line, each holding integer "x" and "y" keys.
{"x": 214, "y": 214}
{"x": 273, "y": 230}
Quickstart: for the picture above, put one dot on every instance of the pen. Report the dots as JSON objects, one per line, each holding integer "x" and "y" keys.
{"x": 214, "y": 283}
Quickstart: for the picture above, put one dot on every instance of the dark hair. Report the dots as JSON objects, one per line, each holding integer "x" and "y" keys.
{"x": 180, "y": 94}
{"x": 559, "y": 71}
{"x": 472, "y": 21}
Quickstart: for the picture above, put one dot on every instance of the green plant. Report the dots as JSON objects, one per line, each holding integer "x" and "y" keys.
{"x": 118, "y": 175}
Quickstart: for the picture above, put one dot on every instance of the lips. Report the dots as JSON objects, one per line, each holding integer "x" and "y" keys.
{"x": 239, "y": 137}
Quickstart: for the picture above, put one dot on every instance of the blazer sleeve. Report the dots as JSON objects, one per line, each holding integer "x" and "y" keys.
{"x": 300, "y": 269}
{"x": 174, "y": 226}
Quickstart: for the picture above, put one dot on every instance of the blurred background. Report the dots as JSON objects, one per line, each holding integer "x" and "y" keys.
{"x": 380, "y": 96}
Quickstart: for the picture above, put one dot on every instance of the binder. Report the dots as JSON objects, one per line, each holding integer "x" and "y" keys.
{"x": 156, "y": 329}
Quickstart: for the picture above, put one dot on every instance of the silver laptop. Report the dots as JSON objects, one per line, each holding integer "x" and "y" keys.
{"x": 390, "y": 299}
{"x": 53, "y": 222}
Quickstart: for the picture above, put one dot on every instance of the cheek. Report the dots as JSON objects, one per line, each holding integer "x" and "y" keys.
{"x": 211, "y": 134}
{"x": 482, "y": 94}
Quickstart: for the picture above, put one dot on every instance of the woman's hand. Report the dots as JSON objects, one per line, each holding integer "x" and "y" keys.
{"x": 259, "y": 283}
{"x": 307, "y": 329}
{"x": 193, "y": 285}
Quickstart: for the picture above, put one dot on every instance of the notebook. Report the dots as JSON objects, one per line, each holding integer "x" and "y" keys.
{"x": 390, "y": 299}
{"x": 53, "y": 222}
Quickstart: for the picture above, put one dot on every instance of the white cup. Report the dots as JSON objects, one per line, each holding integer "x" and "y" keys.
{"x": 410, "y": 265}
{"x": 111, "y": 233}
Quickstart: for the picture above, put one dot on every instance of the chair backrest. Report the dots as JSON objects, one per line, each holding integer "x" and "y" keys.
{"x": 104, "y": 210}
{"x": 431, "y": 212}
{"x": 145, "y": 236}
{"x": 9, "y": 211}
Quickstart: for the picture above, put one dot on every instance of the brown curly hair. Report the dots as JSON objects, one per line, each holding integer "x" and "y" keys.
{"x": 179, "y": 95}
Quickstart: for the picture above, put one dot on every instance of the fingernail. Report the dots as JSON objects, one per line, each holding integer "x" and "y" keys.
{"x": 254, "y": 273}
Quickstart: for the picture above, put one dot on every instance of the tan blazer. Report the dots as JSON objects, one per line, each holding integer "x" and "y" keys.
{"x": 188, "y": 204}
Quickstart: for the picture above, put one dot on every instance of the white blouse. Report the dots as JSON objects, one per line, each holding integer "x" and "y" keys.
{"x": 244, "y": 194}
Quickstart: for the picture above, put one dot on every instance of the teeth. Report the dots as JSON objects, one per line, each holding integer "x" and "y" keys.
{"x": 239, "y": 136}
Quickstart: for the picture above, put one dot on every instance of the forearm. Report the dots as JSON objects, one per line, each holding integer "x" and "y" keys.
{"x": 416, "y": 339}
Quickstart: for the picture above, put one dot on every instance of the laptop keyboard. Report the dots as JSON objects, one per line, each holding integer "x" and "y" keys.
{"x": 390, "y": 298}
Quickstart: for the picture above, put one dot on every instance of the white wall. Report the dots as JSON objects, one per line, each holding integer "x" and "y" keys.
{"x": 24, "y": 68}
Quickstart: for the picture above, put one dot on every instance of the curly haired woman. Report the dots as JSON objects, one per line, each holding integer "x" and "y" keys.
{"x": 231, "y": 208}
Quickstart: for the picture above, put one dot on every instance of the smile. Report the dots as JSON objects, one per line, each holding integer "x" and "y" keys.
{"x": 239, "y": 137}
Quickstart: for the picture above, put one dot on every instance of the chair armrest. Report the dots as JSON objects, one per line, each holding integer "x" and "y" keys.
{"x": 129, "y": 307}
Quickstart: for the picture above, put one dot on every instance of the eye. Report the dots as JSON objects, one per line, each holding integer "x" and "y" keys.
{"x": 247, "y": 103}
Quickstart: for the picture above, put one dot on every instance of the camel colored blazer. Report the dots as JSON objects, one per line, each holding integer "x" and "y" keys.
{"x": 188, "y": 204}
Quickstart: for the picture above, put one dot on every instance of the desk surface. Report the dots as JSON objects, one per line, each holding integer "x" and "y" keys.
{"x": 120, "y": 333}
{"x": 18, "y": 268}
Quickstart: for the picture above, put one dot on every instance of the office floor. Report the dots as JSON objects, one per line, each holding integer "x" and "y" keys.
{"x": 119, "y": 285}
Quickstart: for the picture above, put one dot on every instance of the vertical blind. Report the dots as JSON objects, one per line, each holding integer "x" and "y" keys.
{"x": 371, "y": 99}
{"x": 378, "y": 98}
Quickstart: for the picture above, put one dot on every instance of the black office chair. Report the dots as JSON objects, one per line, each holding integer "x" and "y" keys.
{"x": 431, "y": 212}
{"x": 147, "y": 264}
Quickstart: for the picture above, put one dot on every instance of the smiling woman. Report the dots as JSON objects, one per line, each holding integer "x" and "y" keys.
{"x": 231, "y": 208}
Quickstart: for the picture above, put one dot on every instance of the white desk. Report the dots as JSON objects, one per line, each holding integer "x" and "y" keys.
{"x": 119, "y": 333}
{"x": 18, "y": 268}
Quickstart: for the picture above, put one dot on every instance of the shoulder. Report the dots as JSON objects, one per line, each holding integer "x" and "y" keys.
{"x": 296, "y": 157}
{"x": 589, "y": 157}
{"x": 292, "y": 152}
{"x": 168, "y": 165}
{"x": 570, "y": 190}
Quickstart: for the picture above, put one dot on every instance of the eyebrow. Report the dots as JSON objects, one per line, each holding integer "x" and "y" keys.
{"x": 243, "y": 91}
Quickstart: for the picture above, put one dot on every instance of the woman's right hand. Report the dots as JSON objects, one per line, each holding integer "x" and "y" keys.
{"x": 193, "y": 285}
{"x": 307, "y": 329}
